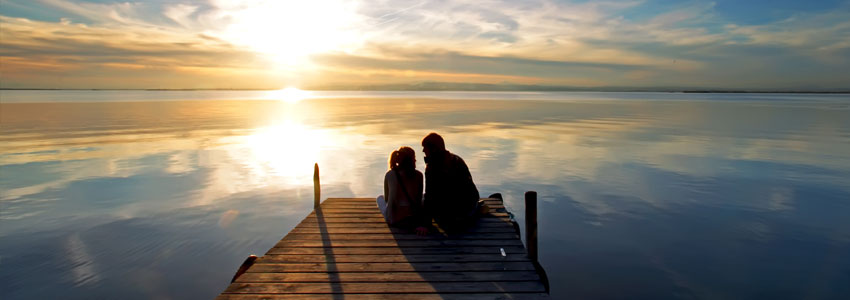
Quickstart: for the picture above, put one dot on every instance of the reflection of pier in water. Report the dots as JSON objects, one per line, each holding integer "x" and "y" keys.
{"x": 345, "y": 248}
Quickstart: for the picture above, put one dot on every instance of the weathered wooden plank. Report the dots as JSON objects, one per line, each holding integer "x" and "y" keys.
{"x": 387, "y": 287}
{"x": 373, "y": 199}
{"x": 397, "y": 243}
{"x": 391, "y": 267}
{"x": 344, "y": 220}
{"x": 347, "y": 206}
{"x": 412, "y": 258}
{"x": 365, "y": 208}
{"x": 361, "y": 205}
{"x": 345, "y": 211}
{"x": 314, "y": 222}
{"x": 442, "y": 296}
{"x": 332, "y": 219}
{"x": 509, "y": 250}
{"x": 331, "y": 200}
{"x": 389, "y": 277}
{"x": 368, "y": 215}
{"x": 373, "y": 212}
{"x": 360, "y": 200}
{"x": 377, "y": 214}
{"x": 397, "y": 236}
{"x": 372, "y": 204}
{"x": 307, "y": 228}
{"x": 335, "y": 201}
{"x": 344, "y": 206}
{"x": 362, "y": 209}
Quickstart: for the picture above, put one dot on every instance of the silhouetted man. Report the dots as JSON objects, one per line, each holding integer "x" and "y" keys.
{"x": 450, "y": 195}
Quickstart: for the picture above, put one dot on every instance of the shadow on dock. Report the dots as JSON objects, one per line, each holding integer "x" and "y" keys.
{"x": 330, "y": 261}
{"x": 345, "y": 249}
{"x": 487, "y": 261}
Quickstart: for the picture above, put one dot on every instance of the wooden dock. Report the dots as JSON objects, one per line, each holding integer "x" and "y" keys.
{"x": 345, "y": 249}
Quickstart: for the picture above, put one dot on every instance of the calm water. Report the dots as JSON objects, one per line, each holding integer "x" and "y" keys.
{"x": 139, "y": 194}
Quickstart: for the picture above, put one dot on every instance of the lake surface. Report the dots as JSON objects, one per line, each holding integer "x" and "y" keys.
{"x": 158, "y": 194}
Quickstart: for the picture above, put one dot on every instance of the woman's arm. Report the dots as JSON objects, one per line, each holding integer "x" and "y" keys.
{"x": 386, "y": 189}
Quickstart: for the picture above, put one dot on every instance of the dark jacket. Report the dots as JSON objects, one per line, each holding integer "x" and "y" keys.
{"x": 450, "y": 193}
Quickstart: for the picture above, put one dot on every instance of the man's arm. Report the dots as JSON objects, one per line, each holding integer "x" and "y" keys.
{"x": 423, "y": 219}
{"x": 466, "y": 176}
{"x": 419, "y": 189}
{"x": 428, "y": 198}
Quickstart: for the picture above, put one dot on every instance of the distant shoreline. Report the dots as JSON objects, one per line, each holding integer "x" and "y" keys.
{"x": 471, "y": 90}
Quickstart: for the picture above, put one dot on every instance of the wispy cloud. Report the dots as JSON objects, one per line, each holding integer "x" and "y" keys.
{"x": 268, "y": 44}
{"x": 43, "y": 54}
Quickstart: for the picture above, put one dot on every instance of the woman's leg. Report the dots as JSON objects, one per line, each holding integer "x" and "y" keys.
{"x": 382, "y": 205}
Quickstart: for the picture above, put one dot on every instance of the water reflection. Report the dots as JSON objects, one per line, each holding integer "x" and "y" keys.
{"x": 287, "y": 150}
{"x": 289, "y": 95}
{"x": 653, "y": 199}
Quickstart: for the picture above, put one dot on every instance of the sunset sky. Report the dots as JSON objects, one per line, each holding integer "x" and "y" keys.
{"x": 759, "y": 44}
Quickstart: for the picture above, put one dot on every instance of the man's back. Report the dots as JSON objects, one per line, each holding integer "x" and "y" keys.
{"x": 450, "y": 193}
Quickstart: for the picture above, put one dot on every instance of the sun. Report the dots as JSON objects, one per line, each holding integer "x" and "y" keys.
{"x": 288, "y": 32}
{"x": 288, "y": 95}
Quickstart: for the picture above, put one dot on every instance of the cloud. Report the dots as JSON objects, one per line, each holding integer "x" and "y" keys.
{"x": 121, "y": 13}
{"x": 81, "y": 55}
{"x": 181, "y": 13}
{"x": 635, "y": 43}
{"x": 507, "y": 68}
{"x": 499, "y": 36}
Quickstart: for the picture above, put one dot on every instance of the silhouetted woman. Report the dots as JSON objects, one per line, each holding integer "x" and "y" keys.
{"x": 401, "y": 203}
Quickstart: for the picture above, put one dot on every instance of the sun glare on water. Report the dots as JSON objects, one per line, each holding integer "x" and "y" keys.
{"x": 288, "y": 95}
{"x": 288, "y": 150}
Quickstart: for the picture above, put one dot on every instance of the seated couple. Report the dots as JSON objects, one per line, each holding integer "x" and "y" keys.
{"x": 451, "y": 198}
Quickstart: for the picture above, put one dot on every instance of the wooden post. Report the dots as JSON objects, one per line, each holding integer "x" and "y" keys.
{"x": 317, "y": 187}
{"x": 531, "y": 224}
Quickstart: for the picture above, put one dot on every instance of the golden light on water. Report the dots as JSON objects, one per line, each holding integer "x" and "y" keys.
{"x": 288, "y": 150}
{"x": 288, "y": 95}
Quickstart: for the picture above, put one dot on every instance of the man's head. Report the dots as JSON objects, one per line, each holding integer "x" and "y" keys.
{"x": 433, "y": 144}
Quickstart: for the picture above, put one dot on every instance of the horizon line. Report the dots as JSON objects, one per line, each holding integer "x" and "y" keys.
{"x": 550, "y": 89}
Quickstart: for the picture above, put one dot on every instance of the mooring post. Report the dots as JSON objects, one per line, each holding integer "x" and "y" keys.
{"x": 531, "y": 224}
{"x": 317, "y": 187}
